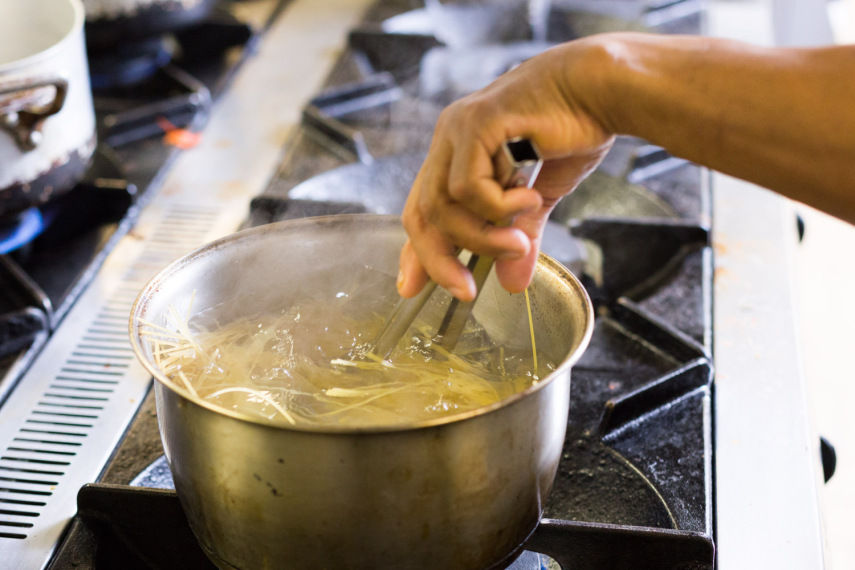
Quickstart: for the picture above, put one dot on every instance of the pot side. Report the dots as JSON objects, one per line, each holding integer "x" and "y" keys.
{"x": 463, "y": 492}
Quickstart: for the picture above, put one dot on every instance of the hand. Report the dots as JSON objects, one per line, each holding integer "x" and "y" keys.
{"x": 455, "y": 199}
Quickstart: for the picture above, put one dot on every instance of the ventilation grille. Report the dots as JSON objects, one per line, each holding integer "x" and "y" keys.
{"x": 63, "y": 420}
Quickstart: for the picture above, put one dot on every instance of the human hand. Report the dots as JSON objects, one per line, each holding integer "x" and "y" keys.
{"x": 456, "y": 200}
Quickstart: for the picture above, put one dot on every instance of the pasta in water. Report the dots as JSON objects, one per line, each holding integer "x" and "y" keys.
{"x": 308, "y": 365}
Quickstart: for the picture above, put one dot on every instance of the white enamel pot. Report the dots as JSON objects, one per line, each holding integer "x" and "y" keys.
{"x": 47, "y": 120}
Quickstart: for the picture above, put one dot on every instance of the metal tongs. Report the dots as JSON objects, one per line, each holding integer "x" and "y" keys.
{"x": 517, "y": 165}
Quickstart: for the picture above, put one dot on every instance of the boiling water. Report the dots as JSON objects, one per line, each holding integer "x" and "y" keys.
{"x": 307, "y": 364}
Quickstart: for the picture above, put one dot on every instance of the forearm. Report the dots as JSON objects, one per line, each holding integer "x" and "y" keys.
{"x": 781, "y": 118}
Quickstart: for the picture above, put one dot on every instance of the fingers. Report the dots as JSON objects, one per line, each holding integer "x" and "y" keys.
{"x": 471, "y": 230}
{"x": 456, "y": 202}
{"x": 443, "y": 215}
{"x": 472, "y": 182}
{"x": 430, "y": 251}
{"x": 455, "y": 195}
{"x": 515, "y": 274}
{"x": 412, "y": 276}
{"x": 446, "y": 270}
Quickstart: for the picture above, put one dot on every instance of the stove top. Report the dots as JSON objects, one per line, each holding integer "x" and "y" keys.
{"x": 637, "y": 463}
{"x": 635, "y": 486}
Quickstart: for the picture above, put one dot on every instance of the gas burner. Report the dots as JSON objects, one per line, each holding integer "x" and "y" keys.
{"x": 104, "y": 173}
{"x": 130, "y": 63}
{"x": 36, "y": 292}
{"x": 23, "y": 229}
{"x": 146, "y": 87}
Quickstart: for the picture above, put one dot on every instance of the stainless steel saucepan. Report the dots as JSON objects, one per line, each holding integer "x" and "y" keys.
{"x": 463, "y": 492}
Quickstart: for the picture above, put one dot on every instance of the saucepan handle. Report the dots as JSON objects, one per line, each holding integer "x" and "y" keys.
{"x": 26, "y": 103}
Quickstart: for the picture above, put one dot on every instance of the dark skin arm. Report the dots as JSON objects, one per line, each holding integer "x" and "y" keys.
{"x": 781, "y": 118}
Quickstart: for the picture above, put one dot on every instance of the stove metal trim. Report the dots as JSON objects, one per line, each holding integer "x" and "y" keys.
{"x": 61, "y": 423}
{"x": 767, "y": 459}
{"x": 766, "y": 455}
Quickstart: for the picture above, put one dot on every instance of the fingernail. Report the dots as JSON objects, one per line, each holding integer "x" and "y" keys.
{"x": 400, "y": 281}
{"x": 461, "y": 293}
{"x": 511, "y": 255}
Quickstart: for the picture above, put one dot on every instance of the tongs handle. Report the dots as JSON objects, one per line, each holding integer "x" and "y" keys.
{"x": 516, "y": 165}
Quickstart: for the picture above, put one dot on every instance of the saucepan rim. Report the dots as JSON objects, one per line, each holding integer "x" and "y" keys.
{"x": 140, "y": 304}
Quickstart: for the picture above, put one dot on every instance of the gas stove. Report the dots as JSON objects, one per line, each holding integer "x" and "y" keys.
{"x": 646, "y": 480}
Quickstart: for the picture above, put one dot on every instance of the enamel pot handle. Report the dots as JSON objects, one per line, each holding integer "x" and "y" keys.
{"x": 23, "y": 108}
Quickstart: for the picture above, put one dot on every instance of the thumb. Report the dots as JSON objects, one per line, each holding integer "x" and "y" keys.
{"x": 515, "y": 274}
